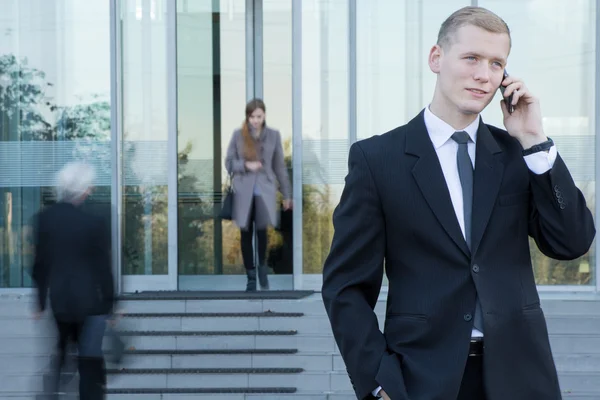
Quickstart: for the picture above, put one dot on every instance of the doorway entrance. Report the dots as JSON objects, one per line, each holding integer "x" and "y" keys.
{"x": 212, "y": 55}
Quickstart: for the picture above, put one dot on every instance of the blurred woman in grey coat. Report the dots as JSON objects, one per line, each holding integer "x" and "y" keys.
{"x": 255, "y": 161}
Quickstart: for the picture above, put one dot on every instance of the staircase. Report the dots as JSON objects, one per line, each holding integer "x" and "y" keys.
{"x": 235, "y": 346}
{"x": 207, "y": 346}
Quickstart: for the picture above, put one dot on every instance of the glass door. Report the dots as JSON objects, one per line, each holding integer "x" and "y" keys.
{"x": 219, "y": 68}
{"x": 186, "y": 70}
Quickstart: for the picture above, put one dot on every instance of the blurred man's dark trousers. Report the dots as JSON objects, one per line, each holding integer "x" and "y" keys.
{"x": 90, "y": 361}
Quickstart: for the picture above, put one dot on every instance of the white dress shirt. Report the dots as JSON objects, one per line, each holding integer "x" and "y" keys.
{"x": 446, "y": 148}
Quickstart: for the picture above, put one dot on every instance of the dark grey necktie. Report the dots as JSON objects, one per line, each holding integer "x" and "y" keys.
{"x": 465, "y": 172}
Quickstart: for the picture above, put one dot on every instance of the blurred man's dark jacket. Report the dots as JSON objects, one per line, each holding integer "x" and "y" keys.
{"x": 73, "y": 262}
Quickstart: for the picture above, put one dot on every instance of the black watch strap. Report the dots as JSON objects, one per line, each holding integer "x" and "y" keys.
{"x": 536, "y": 148}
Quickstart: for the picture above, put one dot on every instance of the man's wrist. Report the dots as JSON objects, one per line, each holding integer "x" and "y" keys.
{"x": 528, "y": 141}
{"x": 538, "y": 147}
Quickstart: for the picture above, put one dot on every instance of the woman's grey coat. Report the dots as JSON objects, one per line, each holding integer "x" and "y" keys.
{"x": 274, "y": 171}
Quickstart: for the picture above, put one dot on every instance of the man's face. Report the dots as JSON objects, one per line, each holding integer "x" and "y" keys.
{"x": 470, "y": 68}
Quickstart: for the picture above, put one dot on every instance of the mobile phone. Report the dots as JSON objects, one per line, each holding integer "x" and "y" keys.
{"x": 507, "y": 101}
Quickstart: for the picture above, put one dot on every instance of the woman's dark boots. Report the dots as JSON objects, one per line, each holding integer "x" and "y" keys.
{"x": 251, "y": 284}
{"x": 263, "y": 277}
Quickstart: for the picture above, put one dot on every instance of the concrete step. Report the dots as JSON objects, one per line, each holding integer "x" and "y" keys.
{"x": 23, "y": 305}
{"x": 191, "y": 379}
{"x": 573, "y": 324}
{"x": 557, "y": 323}
{"x": 300, "y": 395}
{"x": 314, "y": 343}
{"x": 163, "y": 394}
{"x": 310, "y": 306}
{"x": 574, "y": 382}
{"x": 204, "y": 378}
{"x": 312, "y": 381}
{"x": 577, "y": 362}
{"x": 570, "y": 307}
{"x": 287, "y": 358}
{"x": 575, "y": 343}
{"x": 24, "y": 363}
{"x": 324, "y": 342}
{"x": 306, "y": 361}
{"x": 304, "y": 325}
{"x": 240, "y": 396}
{"x": 295, "y": 396}
{"x": 583, "y": 362}
{"x": 26, "y": 327}
{"x": 333, "y": 381}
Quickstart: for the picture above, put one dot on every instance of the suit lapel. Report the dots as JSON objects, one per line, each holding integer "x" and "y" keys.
{"x": 428, "y": 174}
{"x": 486, "y": 182}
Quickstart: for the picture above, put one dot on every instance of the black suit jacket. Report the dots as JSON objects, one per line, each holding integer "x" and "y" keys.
{"x": 396, "y": 207}
{"x": 73, "y": 262}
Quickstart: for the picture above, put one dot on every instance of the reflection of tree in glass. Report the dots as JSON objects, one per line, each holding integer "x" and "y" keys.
{"x": 145, "y": 200}
{"x": 22, "y": 101}
{"x": 317, "y": 227}
{"x": 566, "y": 272}
{"x": 26, "y": 108}
{"x": 194, "y": 219}
{"x": 29, "y": 114}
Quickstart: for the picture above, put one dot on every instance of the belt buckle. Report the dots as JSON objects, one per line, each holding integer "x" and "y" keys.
{"x": 476, "y": 347}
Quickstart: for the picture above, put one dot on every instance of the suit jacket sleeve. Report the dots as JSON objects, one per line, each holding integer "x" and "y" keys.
{"x": 560, "y": 221}
{"x": 352, "y": 277}
{"x": 234, "y": 163}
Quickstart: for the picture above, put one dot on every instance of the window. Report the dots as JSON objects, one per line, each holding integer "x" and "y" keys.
{"x": 54, "y": 108}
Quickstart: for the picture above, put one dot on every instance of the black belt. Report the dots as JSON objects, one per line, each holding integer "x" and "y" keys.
{"x": 476, "y": 347}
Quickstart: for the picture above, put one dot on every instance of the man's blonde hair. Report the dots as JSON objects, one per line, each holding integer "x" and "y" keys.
{"x": 475, "y": 16}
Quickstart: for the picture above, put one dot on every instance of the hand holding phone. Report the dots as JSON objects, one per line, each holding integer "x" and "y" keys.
{"x": 508, "y": 101}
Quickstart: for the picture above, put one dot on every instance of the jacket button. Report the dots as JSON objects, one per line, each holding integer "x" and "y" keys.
{"x": 468, "y": 317}
{"x": 476, "y": 268}
{"x": 556, "y": 188}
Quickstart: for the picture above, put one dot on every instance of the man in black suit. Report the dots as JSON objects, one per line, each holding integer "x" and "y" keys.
{"x": 449, "y": 203}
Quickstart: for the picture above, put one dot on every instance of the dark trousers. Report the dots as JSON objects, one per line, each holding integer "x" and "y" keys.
{"x": 247, "y": 247}
{"x": 472, "y": 387}
{"x": 92, "y": 373}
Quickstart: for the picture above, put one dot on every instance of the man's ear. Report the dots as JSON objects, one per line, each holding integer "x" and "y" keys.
{"x": 435, "y": 58}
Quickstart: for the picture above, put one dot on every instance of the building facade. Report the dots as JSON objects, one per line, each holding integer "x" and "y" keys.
{"x": 150, "y": 91}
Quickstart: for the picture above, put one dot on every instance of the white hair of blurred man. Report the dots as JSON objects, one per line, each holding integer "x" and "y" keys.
{"x": 74, "y": 182}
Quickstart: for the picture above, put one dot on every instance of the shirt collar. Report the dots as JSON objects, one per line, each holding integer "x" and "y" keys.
{"x": 440, "y": 131}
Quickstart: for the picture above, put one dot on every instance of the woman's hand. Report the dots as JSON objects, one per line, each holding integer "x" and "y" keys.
{"x": 288, "y": 204}
{"x": 253, "y": 165}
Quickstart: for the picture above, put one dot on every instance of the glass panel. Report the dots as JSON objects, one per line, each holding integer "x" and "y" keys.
{"x": 145, "y": 135}
{"x": 277, "y": 89}
{"x": 324, "y": 123}
{"x": 54, "y": 108}
{"x": 211, "y": 83}
{"x": 546, "y": 49}
{"x": 394, "y": 86}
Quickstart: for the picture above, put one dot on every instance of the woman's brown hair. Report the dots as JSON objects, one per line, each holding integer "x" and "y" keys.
{"x": 250, "y": 153}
